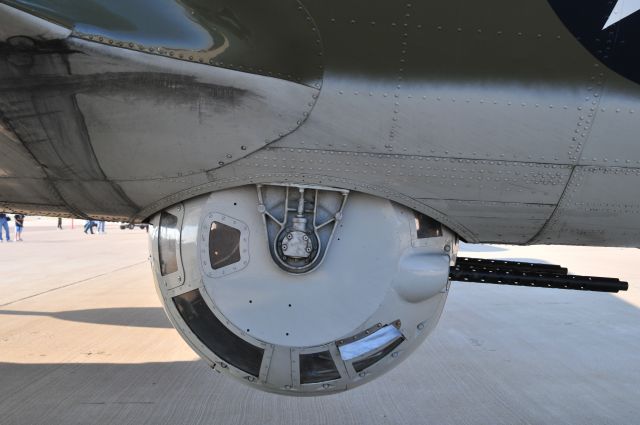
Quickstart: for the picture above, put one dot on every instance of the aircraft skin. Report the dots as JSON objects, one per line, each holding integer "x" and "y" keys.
{"x": 510, "y": 122}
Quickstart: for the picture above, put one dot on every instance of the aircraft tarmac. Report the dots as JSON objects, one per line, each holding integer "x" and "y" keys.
{"x": 83, "y": 340}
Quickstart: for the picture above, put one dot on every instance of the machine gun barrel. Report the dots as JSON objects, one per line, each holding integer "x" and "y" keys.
{"x": 513, "y": 266}
{"x": 529, "y": 274}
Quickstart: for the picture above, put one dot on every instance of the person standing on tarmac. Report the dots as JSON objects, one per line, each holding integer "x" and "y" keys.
{"x": 59, "y": 223}
{"x": 4, "y": 224}
{"x": 19, "y": 223}
{"x": 89, "y": 225}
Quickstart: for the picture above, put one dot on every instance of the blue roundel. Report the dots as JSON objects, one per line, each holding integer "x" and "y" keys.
{"x": 609, "y": 29}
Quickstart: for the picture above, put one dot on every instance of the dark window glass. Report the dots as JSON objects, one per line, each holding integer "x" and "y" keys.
{"x": 317, "y": 367}
{"x": 427, "y": 227}
{"x": 212, "y": 333}
{"x": 224, "y": 245}
{"x": 361, "y": 365}
{"x": 168, "y": 239}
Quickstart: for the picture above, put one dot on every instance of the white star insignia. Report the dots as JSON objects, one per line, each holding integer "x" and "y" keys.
{"x": 622, "y": 9}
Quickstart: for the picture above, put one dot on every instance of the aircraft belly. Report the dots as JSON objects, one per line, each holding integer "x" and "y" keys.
{"x": 599, "y": 206}
{"x": 614, "y": 125}
{"x": 499, "y": 125}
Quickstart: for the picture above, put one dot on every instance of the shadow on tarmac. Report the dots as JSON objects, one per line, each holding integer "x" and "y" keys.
{"x": 140, "y": 317}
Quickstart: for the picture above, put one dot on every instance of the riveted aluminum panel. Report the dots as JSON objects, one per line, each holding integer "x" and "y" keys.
{"x": 97, "y": 199}
{"x": 24, "y": 190}
{"x": 147, "y": 192}
{"x": 15, "y": 160}
{"x": 272, "y": 38}
{"x": 505, "y": 222}
{"x": 600, "y": 207}
{"x": 615, "y": 125}
{"x": 455, "y": 80}
{"x": 476, "y": 103}
{"x": 196, "y": 118}
{"x": 411, "y": 180}
{"x": 424, "y": 177}
{"x": 36, "y": 209}
{"x": 39, "y": 108}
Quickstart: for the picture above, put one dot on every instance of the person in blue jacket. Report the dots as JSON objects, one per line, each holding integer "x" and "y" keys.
{"x": 4, "y": 224}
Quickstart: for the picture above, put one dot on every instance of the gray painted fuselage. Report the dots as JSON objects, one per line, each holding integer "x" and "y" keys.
{"x": 490, "y": 117}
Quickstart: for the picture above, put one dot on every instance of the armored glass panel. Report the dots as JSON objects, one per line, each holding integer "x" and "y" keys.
{"x": 369, "y": 344}
{"x": 368, "y": 361}
{"x": 317, "y": 367}
{"x": 224, "y": 245}
{"x": 168, "y": 239}
{"x": 212, "y": 333}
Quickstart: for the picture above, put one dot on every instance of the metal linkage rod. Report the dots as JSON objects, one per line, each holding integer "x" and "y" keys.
{"x": 540, "y": 280}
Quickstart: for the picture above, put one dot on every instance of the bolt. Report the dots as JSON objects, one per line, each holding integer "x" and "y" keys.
{"x": 394, "y": 355}
{"x": 305, "y": 238}
{"x": 447, "y": 248}
{"x": 421, "y": 326}
{"x": 362, "y": 374}
{"x": 289, "y": 236}
{"x": 326, "y": 386}
{"x": 284, "y": 247}
{"x": 308, "y": 249}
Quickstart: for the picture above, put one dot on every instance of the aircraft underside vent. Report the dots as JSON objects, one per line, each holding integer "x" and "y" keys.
{"x": 301, "y": 290}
